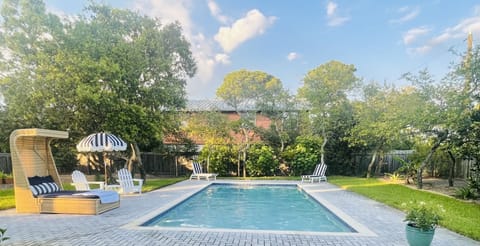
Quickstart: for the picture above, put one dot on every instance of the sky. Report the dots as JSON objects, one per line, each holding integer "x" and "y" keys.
{"x": 287, "y": 39}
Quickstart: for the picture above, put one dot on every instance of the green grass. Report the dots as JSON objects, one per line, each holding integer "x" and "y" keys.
{"x": 155, "y": 184}
{"x": 459, "y": 216}
{"x": 7, "y": 197}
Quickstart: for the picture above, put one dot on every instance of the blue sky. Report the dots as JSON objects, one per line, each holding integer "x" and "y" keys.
{"x": 286, "y": 39}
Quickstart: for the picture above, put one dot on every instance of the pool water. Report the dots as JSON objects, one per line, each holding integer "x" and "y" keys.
{"x": 257, "y": 207}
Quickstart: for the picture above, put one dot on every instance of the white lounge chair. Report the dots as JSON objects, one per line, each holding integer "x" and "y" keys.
{"x": 81, "y": 183}
{"x": 198, "y": 173}
{"x": 318, "y": 174}
{"x": 127, "y": 183}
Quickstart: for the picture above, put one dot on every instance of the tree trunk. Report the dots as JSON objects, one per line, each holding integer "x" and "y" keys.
{"x": 427, "y": 160}
{"x": 238, "y": 164}
{"x": 451, "y": 169}
{"x": 247, "y": 146}
{"x": 381, "y": 159}
{"x": 136, "y": 158}
{"x": 371, "y": 164}
{"x": 322, "y": 148}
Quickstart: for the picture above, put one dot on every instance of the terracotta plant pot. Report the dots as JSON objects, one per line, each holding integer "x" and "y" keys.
{"x": 7, "y": 180}
{"x": 417, "y": 237}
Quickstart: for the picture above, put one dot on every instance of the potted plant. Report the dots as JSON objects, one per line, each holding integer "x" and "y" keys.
{"x": 5, "y": 178}
{"x": 421, "y": 223}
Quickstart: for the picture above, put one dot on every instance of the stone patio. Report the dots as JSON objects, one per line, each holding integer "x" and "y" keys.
{"x": 383, "y": 225}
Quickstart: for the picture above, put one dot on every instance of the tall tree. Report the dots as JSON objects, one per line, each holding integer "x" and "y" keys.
{"x": 246, "y": 91}
{"x": 326, "y": 88}
{"x": 440, "y": 117}
{"x": 107, "y": 70}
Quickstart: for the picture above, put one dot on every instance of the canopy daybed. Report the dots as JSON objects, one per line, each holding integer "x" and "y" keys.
{"x": 37, "y": 184}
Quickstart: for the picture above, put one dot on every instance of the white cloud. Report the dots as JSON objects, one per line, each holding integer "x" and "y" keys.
{"x": 331, "y": 8}
{"x": 411, "y": 35}
{"x": 253, "y": 24}
{"x": 333, "y": 18}
{"x": 216, "y": 12}
{"x": 459, "y": 31}
{"x": 292, "y": 56}
{"x": 222, "y": 58}
{"x": 408, "y": 13}
{"x": 169, "y": 11}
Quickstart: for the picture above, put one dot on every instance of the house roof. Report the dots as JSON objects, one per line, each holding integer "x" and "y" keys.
{"x": 214, "y": 104}
{"x": 220, "y": 105}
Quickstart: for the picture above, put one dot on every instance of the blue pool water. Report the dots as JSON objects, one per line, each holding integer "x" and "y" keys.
{"x": 259, "y": 207}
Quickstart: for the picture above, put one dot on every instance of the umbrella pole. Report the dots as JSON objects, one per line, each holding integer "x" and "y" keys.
{"x": 105, "y": 164}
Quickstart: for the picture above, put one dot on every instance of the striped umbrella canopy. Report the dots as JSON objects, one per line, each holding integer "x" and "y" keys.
{"x": 101, "y": 142}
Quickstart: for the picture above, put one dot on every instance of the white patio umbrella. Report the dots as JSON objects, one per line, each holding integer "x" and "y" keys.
{"x": 101, "y": 142}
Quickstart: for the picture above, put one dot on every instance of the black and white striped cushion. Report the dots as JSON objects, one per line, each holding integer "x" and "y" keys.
{"x": 44, "y": 188}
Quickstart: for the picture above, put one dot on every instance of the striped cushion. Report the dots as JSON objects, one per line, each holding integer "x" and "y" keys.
{"x": 44, "y": 188}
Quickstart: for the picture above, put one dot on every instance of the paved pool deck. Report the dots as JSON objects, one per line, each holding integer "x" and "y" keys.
{"x": 378, "y": 224}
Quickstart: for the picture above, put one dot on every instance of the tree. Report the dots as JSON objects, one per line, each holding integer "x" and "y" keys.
{"x": 325, "y": 89}
{"x": 210, "y": 127}
{"x": 440, "y": 117}
{"x": 244, "y": 90}
{"x": 108, "y": 70}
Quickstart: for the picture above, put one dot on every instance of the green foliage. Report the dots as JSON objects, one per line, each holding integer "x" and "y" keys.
{"x": 8, "y": 199}
{"x": 394, "y": 177}
{"x": 219, "y": 157}
{"x": 409, "y": 169}
{"x": 2, "y": 235}
{"x": 421, "y": 216}
{"x": 302, "y": 156}
{"x": 261, "y": 161}
{"x": 108, "y": 70}
{"x": 465, "y": 193}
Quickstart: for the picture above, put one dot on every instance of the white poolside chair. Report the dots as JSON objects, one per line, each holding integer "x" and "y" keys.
{"x": 81, "y": 183}
{"x": 198, "y": 173}
{"x": 318, "y": 174}
{"x": 127, "y": 183}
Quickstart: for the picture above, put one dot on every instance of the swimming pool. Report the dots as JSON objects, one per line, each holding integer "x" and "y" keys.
{"x": 251, "y": 207}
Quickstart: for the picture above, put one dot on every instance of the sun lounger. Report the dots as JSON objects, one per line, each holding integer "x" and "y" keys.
{"x": 318, "y": 174}
{"x": 198, "y": 173}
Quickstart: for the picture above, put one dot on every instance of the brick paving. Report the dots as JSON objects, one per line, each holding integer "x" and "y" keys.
{"x": 381, "y": 224}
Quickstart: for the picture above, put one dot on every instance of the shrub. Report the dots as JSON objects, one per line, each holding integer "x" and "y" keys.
{"x": 465, "y": 193}
{"x": 261, "y": 161}
{"x": 220, "y": 157}
{"x": 303, "y": 155}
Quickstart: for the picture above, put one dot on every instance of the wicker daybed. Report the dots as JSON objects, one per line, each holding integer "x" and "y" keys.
{"x": 32, "y": 161}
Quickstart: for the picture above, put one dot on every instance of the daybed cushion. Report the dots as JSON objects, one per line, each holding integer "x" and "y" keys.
{"x": 42, "y": 185}
{"x": 105, "y": 196}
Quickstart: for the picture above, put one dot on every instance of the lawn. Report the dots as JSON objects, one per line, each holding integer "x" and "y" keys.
{"x": 459, "y": 216}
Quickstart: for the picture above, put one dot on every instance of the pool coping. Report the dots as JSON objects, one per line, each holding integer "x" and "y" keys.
{"x": 360, "y": 229}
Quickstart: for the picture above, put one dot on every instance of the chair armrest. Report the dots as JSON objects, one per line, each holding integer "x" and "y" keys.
{"x": 140, "y": 181}
{"x": 100, "y": 183}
